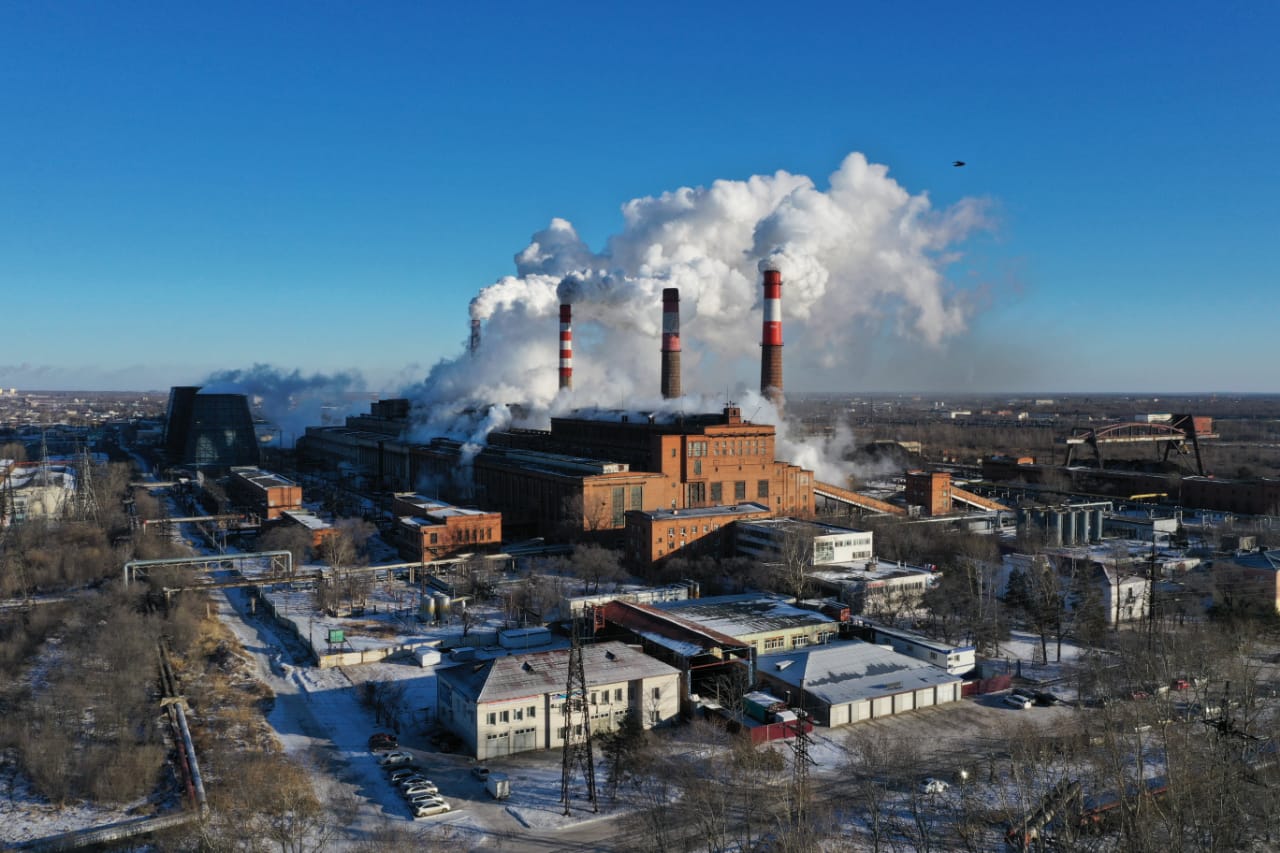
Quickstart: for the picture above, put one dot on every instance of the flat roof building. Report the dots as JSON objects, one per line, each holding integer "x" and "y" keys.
{"x": 850, "y": 682}
{"x": 765, "y": 622}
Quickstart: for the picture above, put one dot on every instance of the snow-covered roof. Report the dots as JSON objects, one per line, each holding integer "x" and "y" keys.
{"x": 518, "y": 676}
{"x": 849, "y": 672}
{"x": 743, "y": 615}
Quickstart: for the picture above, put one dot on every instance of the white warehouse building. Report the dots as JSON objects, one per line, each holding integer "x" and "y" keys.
{"x": 846, "y": 683}
{"x": 516, "y": 703}
{"x": 764, "y": 540}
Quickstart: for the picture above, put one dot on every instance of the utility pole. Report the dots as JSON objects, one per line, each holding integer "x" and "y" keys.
{"x": 577, "y": 724}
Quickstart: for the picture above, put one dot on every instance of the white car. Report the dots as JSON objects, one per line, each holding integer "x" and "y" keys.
{"x": 396, "y": 757}
{"x": 426, "y": 799}
{"x": 933, "y": 786}
{"x": 428, "y": 789}
{"x": 430, "y": 809}
{"x": 1016, "y": 701}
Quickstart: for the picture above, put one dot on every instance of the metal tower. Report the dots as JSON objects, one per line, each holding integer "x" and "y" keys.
{"x": 800, "y": 770}
{"x": 577, "y": 725}
{"x": 86, "y": 502}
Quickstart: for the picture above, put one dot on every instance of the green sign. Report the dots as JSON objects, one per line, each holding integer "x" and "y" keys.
{"x": 336, "y": 636}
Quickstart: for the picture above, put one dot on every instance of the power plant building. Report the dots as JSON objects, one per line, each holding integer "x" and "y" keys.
{"x": 209, "y": 431}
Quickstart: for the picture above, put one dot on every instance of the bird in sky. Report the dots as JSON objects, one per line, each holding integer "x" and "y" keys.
{"x": 958, "y": 163}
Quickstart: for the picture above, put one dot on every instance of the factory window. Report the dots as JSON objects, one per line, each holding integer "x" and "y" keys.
{"x": 697, "y": 494}
{"x": 493, "y": 719}
{"x": 697, "y": 467}
{"x": 740, "y": 490}
{"x": 772, "y": 644}
{"x": 657, "y": 693}
{"x": 433, "y": 539}
{"x": 697, "y": 448}
{"x": 617, "y": 694}
{"x": 533, "y": 711}
{"x": 506, "y": 716}
{"x": 762, "y": 489}
{"x": 619, "y": 505}
{"x": 717, "y": 493}
{"x": 637, "y": 497}
{"x": 519, "y": 713}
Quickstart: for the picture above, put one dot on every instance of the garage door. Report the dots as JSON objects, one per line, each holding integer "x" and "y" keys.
{"x": 902, "y": 702}
{"x": 524, "y": 739}
{"x": 882, "y": 706}
{"x": 924, "y": 698}
{"x": 948, "y": 692}
{"x": 839, "y": 715}
{"x": 497, "y": 744}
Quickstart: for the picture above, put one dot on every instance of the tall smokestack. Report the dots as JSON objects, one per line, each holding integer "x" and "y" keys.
{"x": 771, "y": 339}
{"x": 475, "y": 336}
{"x": 566, "y": 346}
{"x": 671, "y": 342}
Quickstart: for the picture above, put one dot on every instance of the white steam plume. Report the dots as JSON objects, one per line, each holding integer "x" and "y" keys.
{"x": 863, "y": 250}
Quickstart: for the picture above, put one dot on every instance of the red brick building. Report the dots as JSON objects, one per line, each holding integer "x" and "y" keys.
{"x": 929, "y": 490}
{"x": 428, "y": 529}
{"x": 263, "y": 493}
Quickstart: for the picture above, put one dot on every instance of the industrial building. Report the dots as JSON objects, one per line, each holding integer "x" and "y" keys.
{"x": 316, "y": 527}
{"x": 209, "y": 431}
{"x": 765, "y": 622}
{"x": 656, "y": 536}
{"x": 1077, "y": 523}
{"x": 263, "y": 493}
{"x": 592, "y": 466}
{"x": 823, "y": 544}
{"x": 515, "y": 704}
{"x": 956, "y": 660}
{"x": 585, "y": 473}
{"x": 850, "y": 682}
{"x": 1248, "y": 582}
{"x": 876, "y": 587}
{"x": 427, "y": 529}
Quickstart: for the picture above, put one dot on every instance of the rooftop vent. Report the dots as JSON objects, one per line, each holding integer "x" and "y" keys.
{"x": 526, "y": 666}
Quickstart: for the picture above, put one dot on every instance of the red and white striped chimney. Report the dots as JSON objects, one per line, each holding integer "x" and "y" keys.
{"x": 566, "y": 346}
{"x": 771, "y": 339}
{"x": 671, "y": 343}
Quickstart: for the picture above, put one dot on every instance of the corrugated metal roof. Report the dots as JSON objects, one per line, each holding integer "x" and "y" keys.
{"x": 741, "y": 615}
{"x": 849, "y": 672}
{"x": 516, "y": 676}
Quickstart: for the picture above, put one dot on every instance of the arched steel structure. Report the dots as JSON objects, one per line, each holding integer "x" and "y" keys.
{"x": 1170, "y": 437}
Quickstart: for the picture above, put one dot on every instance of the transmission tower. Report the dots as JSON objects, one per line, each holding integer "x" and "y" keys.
{"x": 86, "y": 498}
{"x": 577, "y": 725}
{"x": 800, "y": 770}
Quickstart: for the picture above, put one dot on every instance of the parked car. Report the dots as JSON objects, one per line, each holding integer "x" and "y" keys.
{"x": 400, "y": 772}
{"x": 480, "y": 772}
{"x": 930, "y": 785}
{"x": 1024, "y": 692}
{"x": 414, "y": 784}
{"x": 430, "y": 809}
{"x": 1044, "y": 698}
{"x": 423, "y": 799}
{"x": 395, "y": 758}
{"x": 1020, "y": 702}
{"x": 414, "y": 790}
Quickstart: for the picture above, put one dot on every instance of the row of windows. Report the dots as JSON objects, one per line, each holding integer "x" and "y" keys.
{"x": 738, "y": 447}
{"x": 507, "y": 716}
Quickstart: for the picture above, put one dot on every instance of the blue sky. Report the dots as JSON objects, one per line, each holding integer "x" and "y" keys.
{"x": 324, "y": 186}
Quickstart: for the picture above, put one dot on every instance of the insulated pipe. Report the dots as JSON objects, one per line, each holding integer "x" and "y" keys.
{"x": 671, "y": 343}
{"x": 566, "y": 346}
{"x": 771, "y": 339}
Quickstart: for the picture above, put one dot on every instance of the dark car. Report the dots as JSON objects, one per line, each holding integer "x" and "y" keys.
{"x": 1044, "y": 698}
{"x": 383, "y": 742}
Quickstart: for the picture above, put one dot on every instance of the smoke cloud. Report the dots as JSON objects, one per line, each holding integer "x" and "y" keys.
{"x": 863, "y": 253}
{"x": 291, "y": 400}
